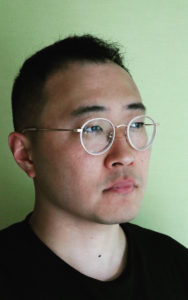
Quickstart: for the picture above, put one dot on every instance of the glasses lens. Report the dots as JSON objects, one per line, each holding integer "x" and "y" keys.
{"x": 97, "y": 136}
{"x": 141, "y": 132}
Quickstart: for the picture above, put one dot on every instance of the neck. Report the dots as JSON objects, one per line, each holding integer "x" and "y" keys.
{"x": 96, "y": 250}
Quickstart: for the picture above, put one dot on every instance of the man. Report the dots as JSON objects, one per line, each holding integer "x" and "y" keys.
{"x": 83, "y": 136}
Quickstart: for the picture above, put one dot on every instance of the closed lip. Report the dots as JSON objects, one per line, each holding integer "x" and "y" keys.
{"x": 121, "y": 186}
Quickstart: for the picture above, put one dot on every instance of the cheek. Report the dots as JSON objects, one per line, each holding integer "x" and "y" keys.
{"x": 73, "y": 168}
{"x": 143, "y": 163}
{"x": 67, "y": 175}
{"x": 144, "y": 157}
{"x": 82, "y": 169}
{"x": 77, "y": 180}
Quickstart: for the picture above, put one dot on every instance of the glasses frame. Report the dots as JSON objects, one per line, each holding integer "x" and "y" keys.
{"x": 80, "y": 130}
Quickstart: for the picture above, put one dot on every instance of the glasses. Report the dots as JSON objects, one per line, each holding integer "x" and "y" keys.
{"x": 97, "y": 135}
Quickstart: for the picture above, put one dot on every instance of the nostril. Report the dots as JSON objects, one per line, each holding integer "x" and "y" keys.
{"x": 116, "y": 164}
{"x": 131, "y": 164}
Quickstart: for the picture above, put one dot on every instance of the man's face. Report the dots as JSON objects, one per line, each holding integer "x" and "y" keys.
{"x": 107, "y": 188}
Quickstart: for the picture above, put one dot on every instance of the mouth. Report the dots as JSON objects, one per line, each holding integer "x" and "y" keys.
{"x": 121, "y": 186}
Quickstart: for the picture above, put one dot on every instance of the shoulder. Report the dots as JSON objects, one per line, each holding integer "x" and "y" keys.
{"x": 14, "y": 237}
{"x": 156, "y": 253}
{"x": 11, "y": 231}
{"x": 150, "y": 246}
{"x": 152, "y": 241}
{"x": 158, "y": 260}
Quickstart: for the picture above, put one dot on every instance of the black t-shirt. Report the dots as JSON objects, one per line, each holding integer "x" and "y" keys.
{"x": 157, "y": 268}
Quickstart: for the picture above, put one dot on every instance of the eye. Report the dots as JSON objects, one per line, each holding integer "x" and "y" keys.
{"x": 93, "y": 129}
{"x": 137, "y": 125}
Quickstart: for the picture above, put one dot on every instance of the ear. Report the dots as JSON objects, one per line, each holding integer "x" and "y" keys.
{"x": 20, "y": 148}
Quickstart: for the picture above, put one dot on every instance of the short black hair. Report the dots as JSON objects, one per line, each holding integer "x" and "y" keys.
{"x": 28, "y": 96}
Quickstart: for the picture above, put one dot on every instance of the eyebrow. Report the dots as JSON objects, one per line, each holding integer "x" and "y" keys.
{"x": 97, "y": 108}
{"x": 86, "y": 109}
{"x": 135, "y": 106}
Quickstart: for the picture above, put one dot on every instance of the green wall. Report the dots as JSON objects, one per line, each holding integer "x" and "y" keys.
{"x": 155, "y": 37}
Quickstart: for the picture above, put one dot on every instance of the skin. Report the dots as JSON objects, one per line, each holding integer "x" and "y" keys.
{"x": 72, "y": 207}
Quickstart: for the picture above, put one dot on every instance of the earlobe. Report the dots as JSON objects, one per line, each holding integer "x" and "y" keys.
{"x": 19, "y": 146}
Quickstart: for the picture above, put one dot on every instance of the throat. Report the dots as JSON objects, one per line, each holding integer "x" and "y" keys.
{"x": 106, "y": 266}
{"x": 100, "y": 253}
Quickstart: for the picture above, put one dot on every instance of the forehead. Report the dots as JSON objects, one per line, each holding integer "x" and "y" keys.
{"x": 89, "y": 84}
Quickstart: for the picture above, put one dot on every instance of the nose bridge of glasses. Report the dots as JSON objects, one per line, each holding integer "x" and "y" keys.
{"x": 121, "y": 125}
{"x": 122, "y": 133}
{"x": 121, "y": 139}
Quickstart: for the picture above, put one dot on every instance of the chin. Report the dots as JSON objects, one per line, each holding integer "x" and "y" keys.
{"x": 122, "y": 216}
{"x": 116, "y": 210}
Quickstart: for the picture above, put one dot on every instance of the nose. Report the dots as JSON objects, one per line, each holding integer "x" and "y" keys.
{"x": 120, "y": 154}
